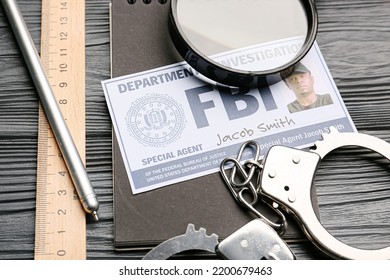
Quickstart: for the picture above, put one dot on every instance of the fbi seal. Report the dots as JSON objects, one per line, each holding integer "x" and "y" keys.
{"x": 155, "y": 120}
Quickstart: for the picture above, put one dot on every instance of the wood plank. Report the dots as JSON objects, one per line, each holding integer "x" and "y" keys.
{"x": 354, "y": 37}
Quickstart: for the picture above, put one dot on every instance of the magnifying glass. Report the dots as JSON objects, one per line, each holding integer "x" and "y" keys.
{"x": 243, "y": 43}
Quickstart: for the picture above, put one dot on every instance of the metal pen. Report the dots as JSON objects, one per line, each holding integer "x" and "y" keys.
{"x": 58, "y": 125}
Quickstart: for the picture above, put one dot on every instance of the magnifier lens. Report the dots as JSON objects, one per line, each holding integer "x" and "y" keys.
{"x": 243, "y": 42}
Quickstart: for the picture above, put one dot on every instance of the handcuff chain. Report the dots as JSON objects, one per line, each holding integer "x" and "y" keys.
{"x": 241, "y": 182}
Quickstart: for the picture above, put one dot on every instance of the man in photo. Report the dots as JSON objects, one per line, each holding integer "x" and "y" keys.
{"x": 301, "y": 82}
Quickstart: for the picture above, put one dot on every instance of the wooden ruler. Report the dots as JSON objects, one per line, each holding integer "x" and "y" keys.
{"x": 60, "y": 224}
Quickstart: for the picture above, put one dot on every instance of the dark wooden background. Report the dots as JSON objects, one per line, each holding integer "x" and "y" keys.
{"x": 353, "y": 190}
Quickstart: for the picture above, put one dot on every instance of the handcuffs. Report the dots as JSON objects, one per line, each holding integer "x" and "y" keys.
{"x": 285, "y": 181}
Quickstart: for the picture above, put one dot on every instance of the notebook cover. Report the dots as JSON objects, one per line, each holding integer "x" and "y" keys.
{"x": 140, "y": 41}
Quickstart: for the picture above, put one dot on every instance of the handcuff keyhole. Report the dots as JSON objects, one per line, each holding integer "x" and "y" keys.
{"x": 286, "y": 188}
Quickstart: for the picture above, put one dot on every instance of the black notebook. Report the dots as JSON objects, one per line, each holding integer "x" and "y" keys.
{"x": 140, "y": 41}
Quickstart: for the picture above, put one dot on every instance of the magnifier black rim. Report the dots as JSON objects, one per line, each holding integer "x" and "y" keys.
{"x": 235, "y": 77}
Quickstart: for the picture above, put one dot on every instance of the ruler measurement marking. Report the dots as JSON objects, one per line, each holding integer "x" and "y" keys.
{"x": 60, "y": 220}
